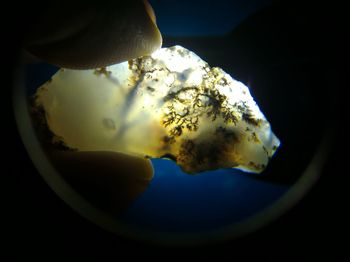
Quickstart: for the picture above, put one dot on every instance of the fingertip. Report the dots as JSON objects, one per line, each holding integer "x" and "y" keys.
{"x": 117, "y": 33}
{"x": 109, "y": 181}
{"x": 110, "y": 163}
{"x": 150, "y": 11}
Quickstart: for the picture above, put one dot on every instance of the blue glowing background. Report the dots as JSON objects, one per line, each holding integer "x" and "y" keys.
{"x": 202, "y": 18}
{"x": 178, "y": 202}
{"x": 175, "y": 201}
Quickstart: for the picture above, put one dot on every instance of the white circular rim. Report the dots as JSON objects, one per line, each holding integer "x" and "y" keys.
{"x": 96, "y": 216}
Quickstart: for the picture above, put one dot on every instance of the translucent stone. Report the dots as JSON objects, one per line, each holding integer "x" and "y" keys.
{"x": 170, "y": 104}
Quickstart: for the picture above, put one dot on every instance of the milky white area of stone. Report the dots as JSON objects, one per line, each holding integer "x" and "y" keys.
{"x": 170, "y": 104}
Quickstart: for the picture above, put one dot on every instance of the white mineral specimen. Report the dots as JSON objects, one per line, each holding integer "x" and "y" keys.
{"x": 170, "y": 104}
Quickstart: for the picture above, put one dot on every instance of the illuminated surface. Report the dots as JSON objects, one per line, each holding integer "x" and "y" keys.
{"x": 171, "y": 104}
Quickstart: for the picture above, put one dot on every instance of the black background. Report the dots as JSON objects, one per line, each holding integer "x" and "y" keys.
{"x": 35, "y": 221}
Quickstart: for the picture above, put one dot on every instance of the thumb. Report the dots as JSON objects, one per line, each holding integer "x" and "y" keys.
{"x": 109, "y": 181}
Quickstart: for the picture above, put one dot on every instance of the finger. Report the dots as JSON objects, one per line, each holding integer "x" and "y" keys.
{"x": 97, "y": 35}
{"x": 108, "y": 180}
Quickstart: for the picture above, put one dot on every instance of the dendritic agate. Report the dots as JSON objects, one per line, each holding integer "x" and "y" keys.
{"x": 170, "y": 104}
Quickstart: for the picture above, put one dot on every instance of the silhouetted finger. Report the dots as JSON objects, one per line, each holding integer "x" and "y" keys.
{"x": 91, "y": 34}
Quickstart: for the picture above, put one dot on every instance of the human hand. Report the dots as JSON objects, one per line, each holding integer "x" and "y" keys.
{"x": 89, "y": 36}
